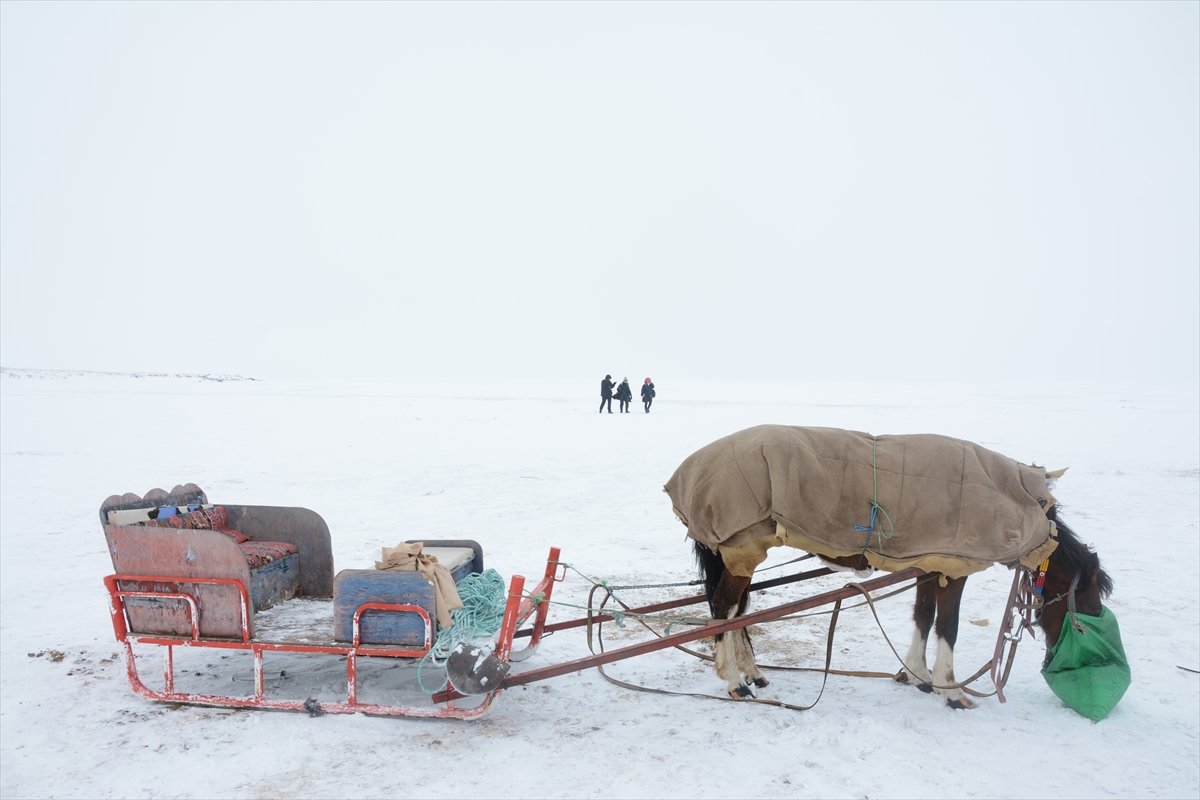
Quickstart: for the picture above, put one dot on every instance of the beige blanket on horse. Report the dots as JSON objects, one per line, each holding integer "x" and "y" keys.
{"x": 954, "y": 507}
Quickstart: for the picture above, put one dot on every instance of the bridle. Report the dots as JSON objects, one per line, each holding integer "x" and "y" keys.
{"x": 1069, "y": 595}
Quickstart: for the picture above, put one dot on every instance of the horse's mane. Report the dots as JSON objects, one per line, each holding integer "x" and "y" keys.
{"x": 1072, "y": 556}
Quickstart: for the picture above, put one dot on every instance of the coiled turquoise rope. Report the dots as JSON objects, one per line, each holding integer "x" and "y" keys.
{"x": 483, "y": 598}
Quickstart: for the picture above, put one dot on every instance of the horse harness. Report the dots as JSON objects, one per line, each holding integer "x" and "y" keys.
{"x": 1070, "y": 597}
{"x": 1025, "y": 597}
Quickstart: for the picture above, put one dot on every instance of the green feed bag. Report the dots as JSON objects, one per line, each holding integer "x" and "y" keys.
{"x": 1089, "y": 671}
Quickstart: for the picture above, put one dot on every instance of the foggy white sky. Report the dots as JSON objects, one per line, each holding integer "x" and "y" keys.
{"x": 782, "y": 191}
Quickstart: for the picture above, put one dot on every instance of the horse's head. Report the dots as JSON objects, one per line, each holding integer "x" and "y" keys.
{"x": 1070, "y": 559}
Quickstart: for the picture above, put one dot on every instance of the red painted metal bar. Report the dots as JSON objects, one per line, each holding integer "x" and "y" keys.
{"x": 382, "y": 651}
{"x": 422, "y": 613}
{"x": 545, "y": 588}
{"x": 352, "y": 656}
{"x": 169, "y": 670}
{"x": 259, "y": 682}
{"x": 713, "y": 628}
{"x": 147, "y": 693}
{"x": 193, "y": 610}
{"x": 680, "y": 603}
{"x": 512, "y": 611}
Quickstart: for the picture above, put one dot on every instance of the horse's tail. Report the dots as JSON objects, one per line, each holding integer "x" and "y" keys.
{"x": 711, "y": 566}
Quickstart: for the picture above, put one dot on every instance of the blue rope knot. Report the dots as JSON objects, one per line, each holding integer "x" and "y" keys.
{"x": 875, "y": 507}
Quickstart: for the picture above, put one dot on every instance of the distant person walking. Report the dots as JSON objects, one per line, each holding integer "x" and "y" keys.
{"x": 648, "y": 394}
{"x": 625, "y": 395}
{"x": 606, "y": 387}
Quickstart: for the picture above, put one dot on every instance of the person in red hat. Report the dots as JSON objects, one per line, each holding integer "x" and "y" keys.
{"x": 648, "y": 394}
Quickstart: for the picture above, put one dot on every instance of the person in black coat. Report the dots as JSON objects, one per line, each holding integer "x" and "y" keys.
{"x": 648, "y": 394}
{"x": 606, "y": 387}
{"x": 625, "y": 395}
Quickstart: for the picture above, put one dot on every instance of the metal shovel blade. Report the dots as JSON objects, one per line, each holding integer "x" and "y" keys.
{"x": 473, "y": 670}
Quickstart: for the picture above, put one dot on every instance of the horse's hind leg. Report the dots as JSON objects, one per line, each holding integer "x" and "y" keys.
{"x": 727, "y": 602}
{"x": 744, "y": 650}
{"x": 948, "y": 601}
{"x": 915, "y": 669}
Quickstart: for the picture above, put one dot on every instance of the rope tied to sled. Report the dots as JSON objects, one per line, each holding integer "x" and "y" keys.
{"x": 618, "y": 616}
{"x": 621, "y": 614}
{"x": 875, "y": 507}
{"x": 484, "y": 596}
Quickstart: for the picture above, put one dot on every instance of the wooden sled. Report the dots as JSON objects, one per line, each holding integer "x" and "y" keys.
{"x": 176, "y": 585}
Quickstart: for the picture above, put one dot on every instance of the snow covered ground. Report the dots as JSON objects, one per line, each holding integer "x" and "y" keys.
{"x": 523, "y": 466}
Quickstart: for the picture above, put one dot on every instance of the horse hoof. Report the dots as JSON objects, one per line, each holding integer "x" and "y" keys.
{"x": 960, "y": 704}
{"x": 741, "y": 692}
{"x": 760, "y": 682}
{"x": 903, "y": 677}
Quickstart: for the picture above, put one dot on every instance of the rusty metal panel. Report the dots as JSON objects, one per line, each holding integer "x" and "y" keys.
{"x": 180, "y": 553}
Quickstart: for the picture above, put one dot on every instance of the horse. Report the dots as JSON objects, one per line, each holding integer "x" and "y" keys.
{"x": 1072, "y": 568}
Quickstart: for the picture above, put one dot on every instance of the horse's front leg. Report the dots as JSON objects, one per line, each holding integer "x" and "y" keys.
{"x": 744, "y": 651}
{"x": 915, "y": 669}
{"x": 728, "y": 602}
{"x": 948, "y": 602}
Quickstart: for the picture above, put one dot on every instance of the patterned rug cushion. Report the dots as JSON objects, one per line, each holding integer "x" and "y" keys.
{"x": 211, "y": 519}
{"x": 259, "y": 554}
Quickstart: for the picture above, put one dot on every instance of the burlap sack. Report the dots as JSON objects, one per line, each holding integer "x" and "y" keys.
{"x": 409, "y": 558}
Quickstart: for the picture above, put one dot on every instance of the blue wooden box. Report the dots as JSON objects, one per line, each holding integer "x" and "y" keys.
{"x": 275, "y": 582}
{"x": 353, "y": 587}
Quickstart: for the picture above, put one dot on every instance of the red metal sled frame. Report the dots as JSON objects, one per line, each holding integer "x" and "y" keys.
{"x": 519, "y": 607}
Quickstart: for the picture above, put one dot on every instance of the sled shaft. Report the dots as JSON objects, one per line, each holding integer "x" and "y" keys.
{"x": 713, "y": 628}
{"x": 680, "y": 603}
